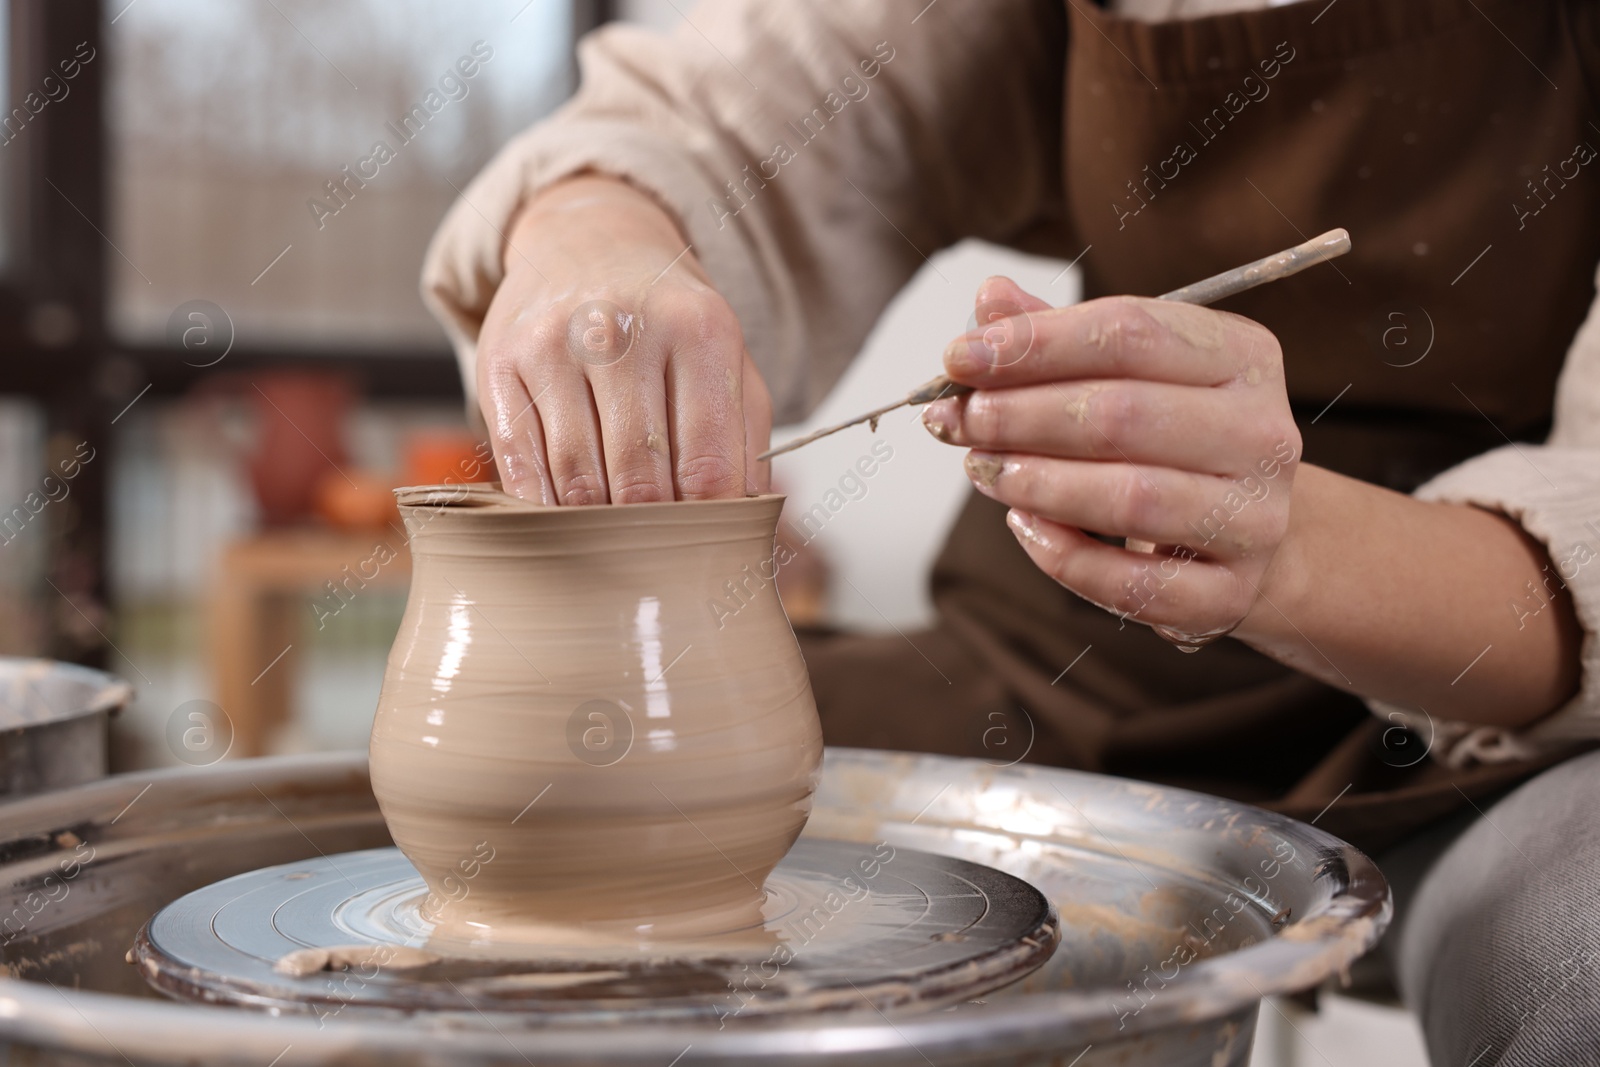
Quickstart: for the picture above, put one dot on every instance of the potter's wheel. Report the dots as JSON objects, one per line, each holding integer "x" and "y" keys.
{"x": 1139, "y": 874}
{"x": 920, "y": 929}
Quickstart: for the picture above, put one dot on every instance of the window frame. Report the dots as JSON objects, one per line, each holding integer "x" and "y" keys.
{"x": 54, "y": 313}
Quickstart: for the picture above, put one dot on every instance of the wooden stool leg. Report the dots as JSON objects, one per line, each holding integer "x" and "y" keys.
{"x": 234, "y": 647}
{"x": 279, "y": 615}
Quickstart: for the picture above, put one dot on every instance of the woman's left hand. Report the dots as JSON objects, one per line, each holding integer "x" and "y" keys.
{"x": 1138, "y": 419}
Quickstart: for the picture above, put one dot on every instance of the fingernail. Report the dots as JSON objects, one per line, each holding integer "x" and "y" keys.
{"x": 960, "y": 357}
{"x": 983, "y": 468}
{"x": 939, "y": 419}
{"x": 1024, "y": 525}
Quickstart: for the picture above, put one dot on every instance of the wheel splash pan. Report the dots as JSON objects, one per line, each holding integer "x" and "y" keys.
{"x": 1179, "y": 912}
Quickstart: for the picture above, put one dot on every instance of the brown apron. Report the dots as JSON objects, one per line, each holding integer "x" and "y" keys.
{"x": 1445, "y": 135}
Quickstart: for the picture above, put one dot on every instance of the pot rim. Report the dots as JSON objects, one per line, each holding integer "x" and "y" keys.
{"x": 489, "y": 496}
{"x": 101, "y": 692}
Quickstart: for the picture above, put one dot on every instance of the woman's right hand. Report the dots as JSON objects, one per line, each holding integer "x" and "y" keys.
{"x": 609, "y": 369}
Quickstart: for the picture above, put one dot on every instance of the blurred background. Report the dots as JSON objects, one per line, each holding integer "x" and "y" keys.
{"x": 211, "y": 382}
{"x": 220, "y": 332}
{"x": 236, "y": 379}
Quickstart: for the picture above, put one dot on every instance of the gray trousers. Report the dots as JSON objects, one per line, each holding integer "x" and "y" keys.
{"x": 1497, "y": 938}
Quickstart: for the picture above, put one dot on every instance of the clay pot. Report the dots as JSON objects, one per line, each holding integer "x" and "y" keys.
{"x": 593, "y": 716}
{"x": 299, "y": 438}
{"x": 356, "y": 500}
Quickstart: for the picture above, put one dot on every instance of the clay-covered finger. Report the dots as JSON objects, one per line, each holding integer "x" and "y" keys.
{"x": 1216, "y": 517}
{"x": 757, "y": 428}
{"x": 1186, "y": 427}
{"x": 705, "y": 403}
{"x": 573, "y": 450}
{"x": 607, "y": 341}
{"x": 516, "y": 435}
{"x": 1115, "y": 337}
{"x": 633, "y": 434}
{"x": 1180, "y": 591}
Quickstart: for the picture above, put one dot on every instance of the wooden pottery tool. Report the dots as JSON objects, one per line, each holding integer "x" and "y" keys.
{"x": 1323, "y": 247}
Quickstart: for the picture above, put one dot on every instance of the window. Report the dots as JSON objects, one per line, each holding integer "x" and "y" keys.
{"x": 288, "y": 160}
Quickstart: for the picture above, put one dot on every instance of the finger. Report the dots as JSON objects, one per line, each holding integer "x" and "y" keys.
{"x": 705, "y": 405}
{"x": 1115, "y": 337}
{"x": 1001, "y": 330}
{"x": 998, "y": 291}
{"x": 517, "y": 438}
{"x": 1203, "y": 430}
{"x": 629, "y": 398}
{"x": 572, "y": 443}
{"x": 757, "y": 429}
{"x": 633, "y": 433}
{"x": 1187, "y": 594}
{"x": 1001, "y": 324}
{"x": 1214, "y": 517}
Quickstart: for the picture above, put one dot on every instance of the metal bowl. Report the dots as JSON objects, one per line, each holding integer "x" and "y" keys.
{"x": 53, "y": 719}
{"x": 1179, "y": 913}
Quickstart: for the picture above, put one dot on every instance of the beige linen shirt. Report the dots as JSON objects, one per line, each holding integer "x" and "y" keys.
{"x": 808, "y": 245}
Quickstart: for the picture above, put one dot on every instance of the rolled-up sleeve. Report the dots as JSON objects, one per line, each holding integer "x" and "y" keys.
{"x": 813, "y": 155}
{"x": 1553, "y": 491}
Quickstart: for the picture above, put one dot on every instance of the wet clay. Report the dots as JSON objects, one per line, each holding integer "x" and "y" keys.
{"x": 984, "y": 469}
{"x": 1196, "y": 327}
{"x": 593, "y": 719}
{"x": 304, "y": 961}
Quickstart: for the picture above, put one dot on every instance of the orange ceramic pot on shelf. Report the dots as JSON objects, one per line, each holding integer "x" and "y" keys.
{"x": 447, "y": 456}
{"x": 594, "y": 718}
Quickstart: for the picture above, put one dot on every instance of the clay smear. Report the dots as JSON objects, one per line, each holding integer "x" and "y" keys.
{"x": 1196, "y": 327}
{"x": 308, "y": 961}
{"x": 570, "y": 739}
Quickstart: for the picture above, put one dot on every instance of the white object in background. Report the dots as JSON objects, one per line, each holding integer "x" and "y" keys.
{"x": 1343, "y": 1032}
{"x": 882, "y": 535}
{"x": 660, "y": 15}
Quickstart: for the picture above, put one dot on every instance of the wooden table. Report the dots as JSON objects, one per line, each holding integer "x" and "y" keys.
{"x": 270, "y": 591}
